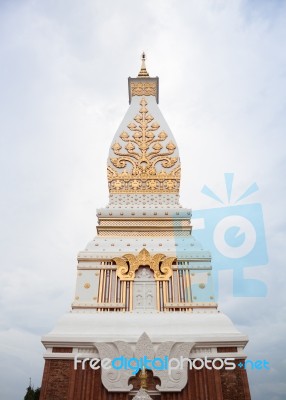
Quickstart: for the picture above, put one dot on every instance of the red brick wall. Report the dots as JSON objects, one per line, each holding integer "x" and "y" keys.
{"x": 213, "y": 384}
{"x": 56, "y": 380}
{"x": 62, "y": 382}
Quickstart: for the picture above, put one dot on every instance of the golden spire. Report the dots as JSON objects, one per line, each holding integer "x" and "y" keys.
{"x": 143, "y": 376}
{"x": 143, "y": 72}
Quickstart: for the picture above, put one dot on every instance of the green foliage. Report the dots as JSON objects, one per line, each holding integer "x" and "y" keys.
{"x": 32, "y": 394}
{"x": 37, "y": 394}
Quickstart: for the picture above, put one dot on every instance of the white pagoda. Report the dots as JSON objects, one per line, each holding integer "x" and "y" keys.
{"x": 144, "y": 283}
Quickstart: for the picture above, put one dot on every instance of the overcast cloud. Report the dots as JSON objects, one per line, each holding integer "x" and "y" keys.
{"x": 63, "y": 92}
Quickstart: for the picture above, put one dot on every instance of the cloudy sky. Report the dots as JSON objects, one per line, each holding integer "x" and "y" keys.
{"x": 63, "y": 92}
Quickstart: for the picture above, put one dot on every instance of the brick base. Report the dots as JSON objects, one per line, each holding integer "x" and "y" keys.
{"x": 62, "y": 382}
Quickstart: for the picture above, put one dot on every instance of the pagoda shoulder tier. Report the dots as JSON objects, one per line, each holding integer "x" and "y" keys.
{"x": 143, "y": 222}
{"x": 186, "y": 249}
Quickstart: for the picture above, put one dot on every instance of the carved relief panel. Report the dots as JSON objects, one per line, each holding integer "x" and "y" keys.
{"x": 144, "y": 293}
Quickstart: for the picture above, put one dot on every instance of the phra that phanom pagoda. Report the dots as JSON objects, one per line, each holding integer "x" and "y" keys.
{"x": 144, "y": 283}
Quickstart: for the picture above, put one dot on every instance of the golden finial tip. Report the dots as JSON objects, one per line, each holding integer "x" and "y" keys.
{"x": 143, "y": 71}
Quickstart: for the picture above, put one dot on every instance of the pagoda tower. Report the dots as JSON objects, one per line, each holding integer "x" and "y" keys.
{"x": 144, "y": 284}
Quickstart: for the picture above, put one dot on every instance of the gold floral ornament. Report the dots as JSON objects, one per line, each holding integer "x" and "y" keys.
{"x": 129, "y": 264}
{"x": 146, "y": 159}
{"x": 143, "y": 88}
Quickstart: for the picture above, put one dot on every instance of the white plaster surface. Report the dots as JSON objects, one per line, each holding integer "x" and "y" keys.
{"x": 210, "y": 326}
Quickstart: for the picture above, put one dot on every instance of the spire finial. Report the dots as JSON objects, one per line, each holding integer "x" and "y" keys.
{"x": 143, "y": 376}
{"x": 143, "y": 71}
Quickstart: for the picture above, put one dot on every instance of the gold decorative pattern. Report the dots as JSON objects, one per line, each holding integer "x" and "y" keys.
{"x": 129, "y": 263}
{"x": 138, "y": 233}
{"x": 87, "y": 285}
{"x": 150, "y": 222}
{"x": 146, "y": 159}
{"x": 143, "y": 88}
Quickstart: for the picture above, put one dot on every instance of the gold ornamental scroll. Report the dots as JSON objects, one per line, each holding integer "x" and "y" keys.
{"x": 129, "y": 264}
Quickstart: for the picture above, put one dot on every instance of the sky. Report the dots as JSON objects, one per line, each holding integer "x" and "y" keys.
{"x": 63, "y": 93}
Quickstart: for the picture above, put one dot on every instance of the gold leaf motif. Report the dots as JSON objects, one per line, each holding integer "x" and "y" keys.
{"x": 149, "y": 118}
{"x": 116, "y": 147}
{"x": 169, "y": 162}
{"x": 157, "y": 146}
{"x": 132, "y": 126}
{"x": 119, "y": 163}
{"x": 137, "y": 135}
{"x": 155, "y": 126}
{"x": 124, "y": 135}
{"x": 162, "y": 135}
{"x": 129, "y": 146}
{"x": 170, "y": 146}
{"x": 150, "y": 135}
